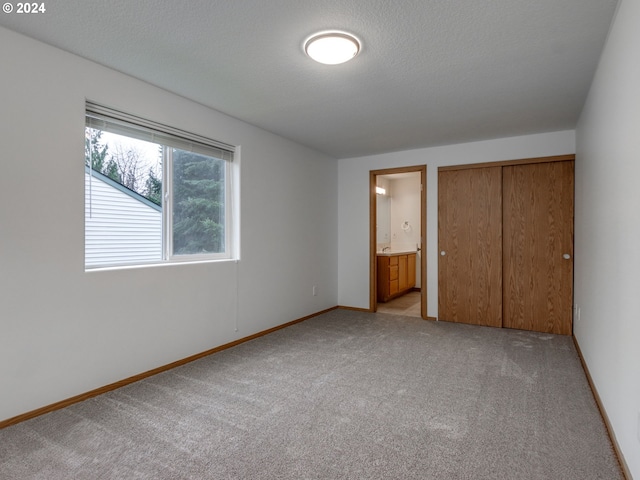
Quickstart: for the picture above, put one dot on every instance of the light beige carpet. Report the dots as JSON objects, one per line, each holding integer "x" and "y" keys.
{"x": 344, "y": 395}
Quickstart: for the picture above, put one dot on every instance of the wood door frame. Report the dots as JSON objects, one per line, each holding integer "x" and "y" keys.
{"x": 373, "y": 264}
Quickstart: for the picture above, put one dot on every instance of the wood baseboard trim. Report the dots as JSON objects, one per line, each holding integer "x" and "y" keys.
{"x": 603, "y": 413}
{"x": 434, "y": 319}
{"x": 355, "y": 309}
{"x": 121, "y": 383}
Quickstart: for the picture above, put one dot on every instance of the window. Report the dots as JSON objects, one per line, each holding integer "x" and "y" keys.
{"x": 153, "y": 193}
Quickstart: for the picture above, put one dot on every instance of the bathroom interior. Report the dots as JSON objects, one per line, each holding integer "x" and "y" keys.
{"x": 398, "y": 243}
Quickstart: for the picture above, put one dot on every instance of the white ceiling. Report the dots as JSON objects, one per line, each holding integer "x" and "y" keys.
{"x": 431, "y": 72}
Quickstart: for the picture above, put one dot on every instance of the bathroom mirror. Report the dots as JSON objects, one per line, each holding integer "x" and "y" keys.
{"x": 383, "y": 221}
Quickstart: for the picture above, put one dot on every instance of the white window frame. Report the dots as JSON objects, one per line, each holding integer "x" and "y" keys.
{"x": 167, "y": 213}
{"x": 107, "y": 119}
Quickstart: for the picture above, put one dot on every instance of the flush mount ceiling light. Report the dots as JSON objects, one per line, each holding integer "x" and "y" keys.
{"x": 332, "y": 48}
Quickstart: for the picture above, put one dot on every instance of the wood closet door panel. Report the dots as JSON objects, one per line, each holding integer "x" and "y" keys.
{"x": 402, "y": 272}
{"x": 411, "y": 270}
{"x": 538, "y": 232}
{"x": 470, "y": 235}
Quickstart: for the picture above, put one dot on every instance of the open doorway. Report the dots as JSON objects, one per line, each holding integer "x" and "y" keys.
{"x": 398, "y": 265}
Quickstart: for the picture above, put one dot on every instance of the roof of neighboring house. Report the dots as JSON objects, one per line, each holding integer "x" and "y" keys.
{"x": 122, "y": 188}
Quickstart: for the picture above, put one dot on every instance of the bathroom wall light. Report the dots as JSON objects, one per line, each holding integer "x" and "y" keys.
{"x": 381, "y": 191}
{"x": 332, "y": 48}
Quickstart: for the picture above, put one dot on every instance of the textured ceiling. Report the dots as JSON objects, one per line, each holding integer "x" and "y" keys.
{"x": 431, "y": 72}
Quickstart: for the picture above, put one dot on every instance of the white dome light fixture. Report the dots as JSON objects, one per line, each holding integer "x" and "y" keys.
{"x": 332, "y": 48}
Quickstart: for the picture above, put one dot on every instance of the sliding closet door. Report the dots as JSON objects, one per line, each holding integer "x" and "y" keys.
{"x": 470, "y": 245}
{"x": 538, "y": 247}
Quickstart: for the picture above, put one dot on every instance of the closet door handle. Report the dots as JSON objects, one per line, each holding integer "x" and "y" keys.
{"x": 566, "y": 256}
{"x": 443, "y": 253}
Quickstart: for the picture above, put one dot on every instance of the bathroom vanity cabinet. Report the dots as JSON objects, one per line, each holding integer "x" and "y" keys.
{"x": 396, "y": 274}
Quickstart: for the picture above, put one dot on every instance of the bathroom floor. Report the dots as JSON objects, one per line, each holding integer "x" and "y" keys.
{"x": 408, "y": 305}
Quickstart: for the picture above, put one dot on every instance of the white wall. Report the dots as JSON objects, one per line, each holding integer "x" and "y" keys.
{"x": 607, "y": 245}
{"x": 353, "y": 201}
{"x": 63, "y": 331}
{"x": 405, "y": 207}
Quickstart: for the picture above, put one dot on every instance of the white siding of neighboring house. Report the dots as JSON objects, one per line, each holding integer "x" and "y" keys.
{"x": 119, "y": 229}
